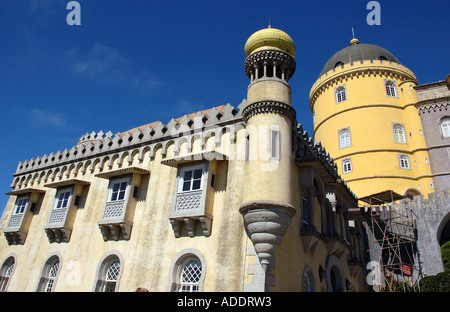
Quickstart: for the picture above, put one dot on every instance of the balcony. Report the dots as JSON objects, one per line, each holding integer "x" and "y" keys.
{"x": 60, "y": 221}
{"x": 19, "y": 223}
{"x": 194, "y": 194}
{"x": 122, "y": 196}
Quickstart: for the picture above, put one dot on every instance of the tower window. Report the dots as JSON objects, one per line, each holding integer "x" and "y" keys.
{"x": 399, "y": 133}
{"x": 275, "y": 144}
{"x": 347, "y": 165}
{"x": 445, "y": 127}
{"x": 390, "y": 88}
{"x": 344, "y": 138}
{"x": 340, "y": 94}
{"x": 403, "y": 160}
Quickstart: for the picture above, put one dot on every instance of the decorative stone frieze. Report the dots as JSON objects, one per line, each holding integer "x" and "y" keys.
{"x": 266, "y": 107}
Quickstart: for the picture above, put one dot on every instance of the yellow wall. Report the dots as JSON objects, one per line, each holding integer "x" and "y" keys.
{"x": 369, "y": 113}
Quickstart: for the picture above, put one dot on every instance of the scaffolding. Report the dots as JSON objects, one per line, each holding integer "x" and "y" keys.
{"x": 393, "y": 224}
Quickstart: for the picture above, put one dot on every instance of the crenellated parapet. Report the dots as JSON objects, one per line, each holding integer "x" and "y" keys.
{"x": 307, "y": 151}
{"x": 103, "y": 149}
{"x": 359, "y": 69}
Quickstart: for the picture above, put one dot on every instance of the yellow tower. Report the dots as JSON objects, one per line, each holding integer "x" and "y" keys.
{"x": 267, "y": 201}
{"x": 364, "y": 115}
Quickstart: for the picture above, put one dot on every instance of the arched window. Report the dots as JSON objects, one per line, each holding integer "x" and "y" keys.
{"x": 403, "y": 160}
{"x": 390, "y": 88}
{"x": 188, "y": 271}
{"x": 344, "y": 138}
{"x": 347, "y": 165}
{"x": 399, "y": 133}
{"x": 445, "y": 127}
{"x": 308, "y": 282}
{"x": 190, "y": 275}
{"x": 341, "y": 94}
{"x": 108, "y": 274}
{"x": 49, "y": 274}
{"x": 6, "y": 272}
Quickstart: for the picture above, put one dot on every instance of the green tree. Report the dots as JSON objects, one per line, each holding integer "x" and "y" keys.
{"x": 445, "y": 252}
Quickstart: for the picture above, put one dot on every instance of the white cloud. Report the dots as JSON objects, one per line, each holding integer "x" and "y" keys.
{"x": 106, "y": 66}
{"x": 40, "y": 118}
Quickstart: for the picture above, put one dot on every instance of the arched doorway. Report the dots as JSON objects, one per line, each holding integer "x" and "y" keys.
{"x": 335, "y": 276}
{"x": 443, "y": 232}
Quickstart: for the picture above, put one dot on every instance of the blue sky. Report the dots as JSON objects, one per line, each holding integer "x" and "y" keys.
{"x": 132, "y": 62}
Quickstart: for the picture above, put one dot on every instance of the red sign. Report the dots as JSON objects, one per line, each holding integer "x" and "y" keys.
{"x": 406, "y": 269}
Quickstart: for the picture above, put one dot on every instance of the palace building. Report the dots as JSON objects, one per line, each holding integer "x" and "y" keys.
{"x": 230, "y": 198}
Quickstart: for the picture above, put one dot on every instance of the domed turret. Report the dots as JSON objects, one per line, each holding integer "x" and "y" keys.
{"x": 270, "y": 39}
{"x": 358, "y": 52}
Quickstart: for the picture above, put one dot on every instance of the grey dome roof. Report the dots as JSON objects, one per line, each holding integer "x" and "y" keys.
{"x": 358, "y": 52}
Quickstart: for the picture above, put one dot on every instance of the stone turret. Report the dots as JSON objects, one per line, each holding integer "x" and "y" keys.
{"x": 267, "y": 206}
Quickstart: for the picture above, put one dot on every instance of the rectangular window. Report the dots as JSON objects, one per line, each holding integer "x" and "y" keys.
{"x": 275, "y": 144}
{"x": 403, "y": 161}
{"x": 305, "y": 207}
{"x": 118, "y": 190}
{"x": 247, "y": 148}
{"x": 192, "y": 180}
{"x": 21, "y": 205}
{"x": 62, "y": 198}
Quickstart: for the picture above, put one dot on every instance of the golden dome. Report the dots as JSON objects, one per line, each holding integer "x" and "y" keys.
{"x": 269, "y": 39}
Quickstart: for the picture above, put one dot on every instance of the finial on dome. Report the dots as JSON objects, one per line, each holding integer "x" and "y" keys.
{"x": 269, "y": 24}
{"x": 354, "y": 41}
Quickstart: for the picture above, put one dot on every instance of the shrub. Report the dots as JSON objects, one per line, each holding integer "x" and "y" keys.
{"x": 445, "y": 252}
{"x": 436, "y": 283}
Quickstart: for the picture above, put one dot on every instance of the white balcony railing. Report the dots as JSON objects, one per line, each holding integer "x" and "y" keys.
{"x": 188, "y": 200}
{"x": 57, "y": 216}
{"x": 15, "y": 221}
{"x": 114, "y": 209}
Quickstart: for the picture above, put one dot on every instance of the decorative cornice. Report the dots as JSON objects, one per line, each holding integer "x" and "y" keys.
{"x": 101, "y": 145}
{"x": 269, "y": 107}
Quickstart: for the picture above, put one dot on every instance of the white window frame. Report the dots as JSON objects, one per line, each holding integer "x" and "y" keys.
{"x": 24, "y": 206}
{"x": 308, "y": 281}
{"x": 340, "y": 94}
{"x": 102, "y": 282}
{"x": 119, "y": 181}
{"x": 444, "y": 124}
{"x": 6, "y": 272}
{"x": 67, "y": 200}
{"x": 49, "y": 273}
{"x": 403, "y": 161}
{"x": 345, "y": 163}
{"x": 343, "y": 141}
{"x": 390, "y": 88}
{"x": 177, "y": 267}
{"x": 399, "y": 136}
{"x": 193, "y": 169}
